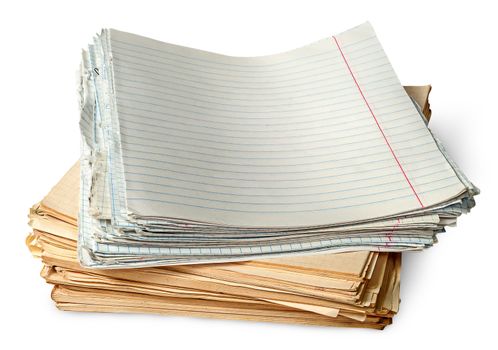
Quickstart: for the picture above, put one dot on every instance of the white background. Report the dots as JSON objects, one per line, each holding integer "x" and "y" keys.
{"x": 448, "y": 297}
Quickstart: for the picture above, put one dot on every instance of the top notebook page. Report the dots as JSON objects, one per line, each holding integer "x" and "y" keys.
{"x": 320, "y": 135}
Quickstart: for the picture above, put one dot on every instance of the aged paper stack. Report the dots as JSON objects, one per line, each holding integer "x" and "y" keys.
{"x": 192, "y": 157}
{"x": 347, "y": 289}
{"x": 356, "y": 289}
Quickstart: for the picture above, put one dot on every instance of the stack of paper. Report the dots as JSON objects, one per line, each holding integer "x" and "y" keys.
{"x": 194, "y": 157}
{"x": 356, "y": 289}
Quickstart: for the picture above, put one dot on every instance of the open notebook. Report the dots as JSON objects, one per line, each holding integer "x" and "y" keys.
{"x": 190, "y": 156}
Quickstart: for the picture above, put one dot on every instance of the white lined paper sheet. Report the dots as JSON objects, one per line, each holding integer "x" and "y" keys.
{"x": 283, "y": 140}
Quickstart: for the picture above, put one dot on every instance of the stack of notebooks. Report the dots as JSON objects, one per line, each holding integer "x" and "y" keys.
{"x": 315, "y": 162}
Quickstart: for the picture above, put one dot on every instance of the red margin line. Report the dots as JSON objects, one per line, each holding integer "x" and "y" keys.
{"x": 389, "y": 234}
{"x": 377, "y": 122}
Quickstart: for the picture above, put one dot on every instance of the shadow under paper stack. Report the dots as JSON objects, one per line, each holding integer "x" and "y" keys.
{"x": 356, "y": 289}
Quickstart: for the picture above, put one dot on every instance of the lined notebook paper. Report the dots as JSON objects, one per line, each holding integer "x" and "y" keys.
{"x": 190, "y": 156}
